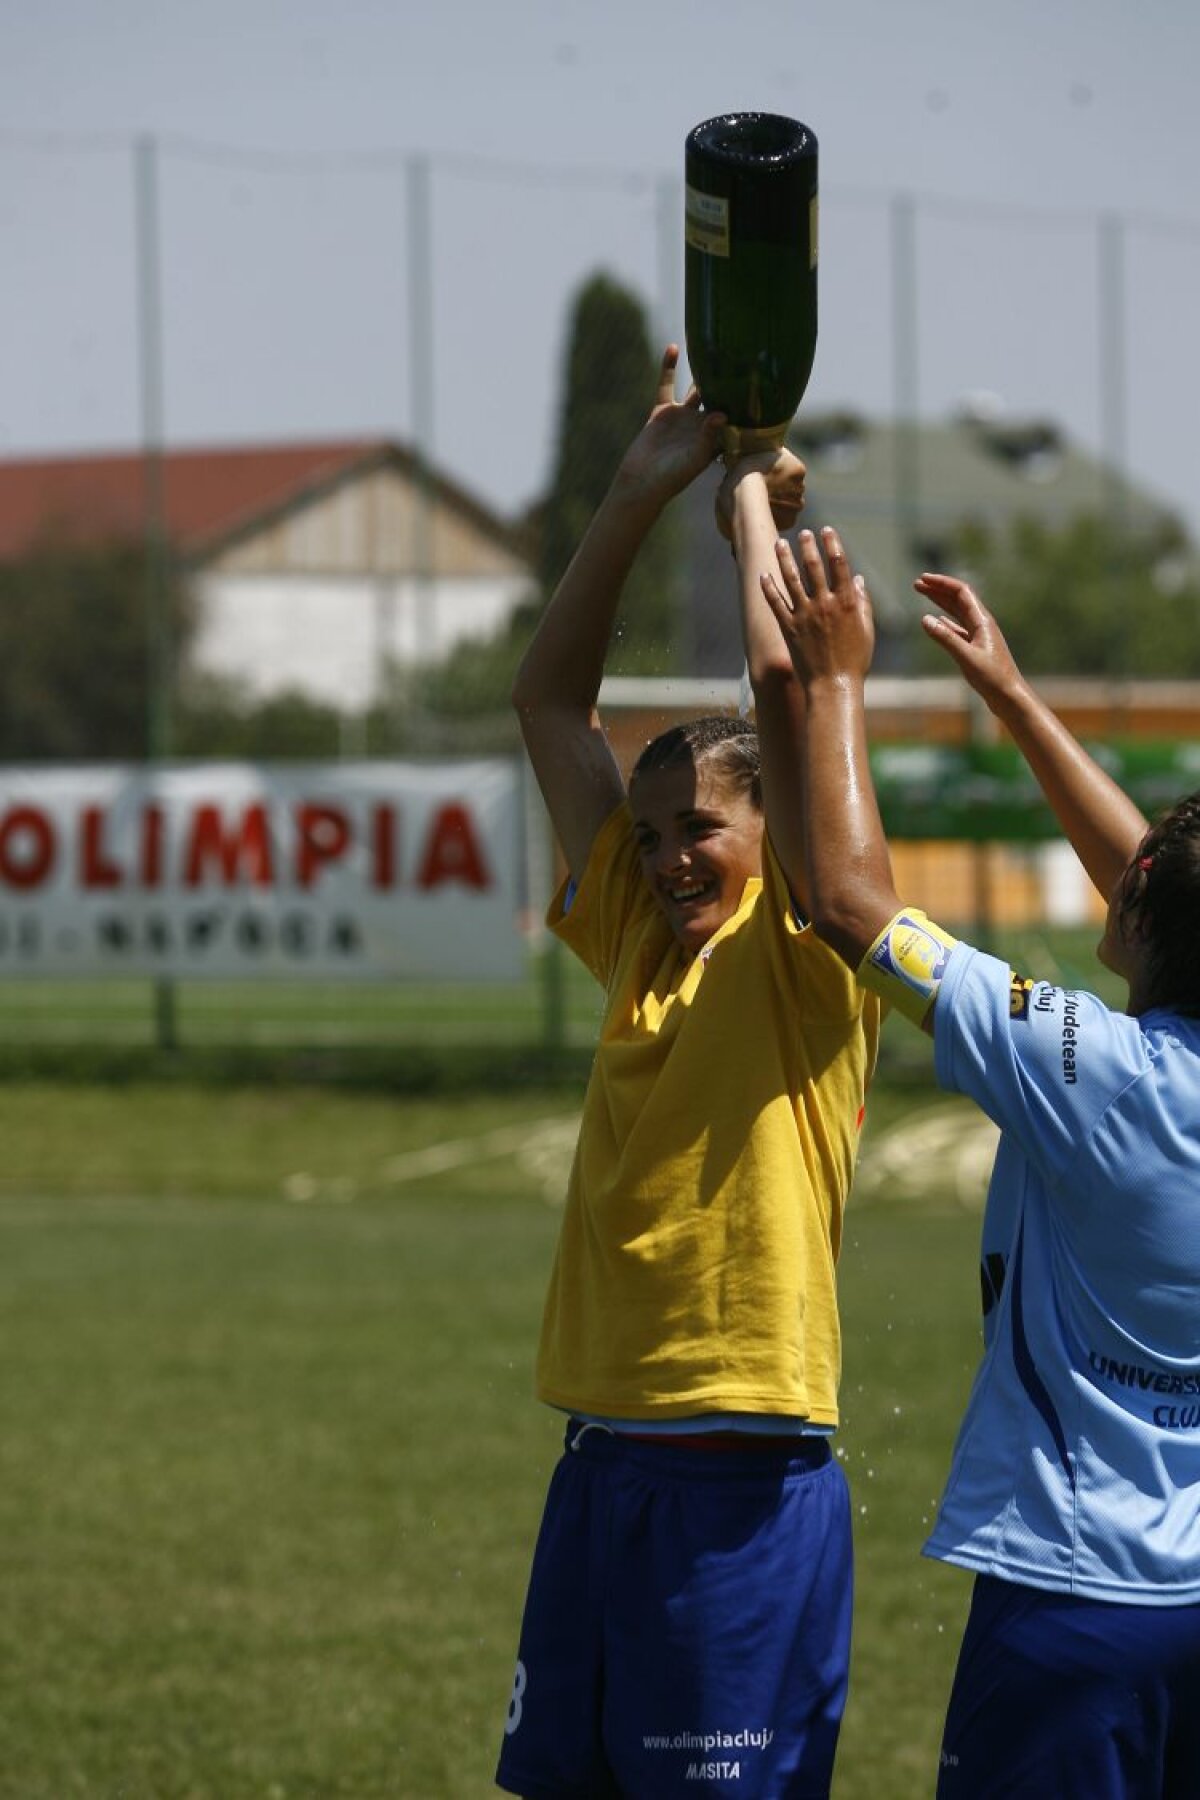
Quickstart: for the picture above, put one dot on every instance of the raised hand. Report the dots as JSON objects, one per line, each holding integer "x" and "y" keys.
{"x": 676, "y": 443}
{"x": 1102, "y": 823}
{"x": 967, "y": 632}
{"x": 822, "y": 608}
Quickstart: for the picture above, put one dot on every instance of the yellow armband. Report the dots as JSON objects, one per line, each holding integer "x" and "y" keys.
{"x": 905, "y": 964}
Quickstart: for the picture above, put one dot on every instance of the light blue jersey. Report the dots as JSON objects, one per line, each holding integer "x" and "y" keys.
{"x": 1077, "y": 1465}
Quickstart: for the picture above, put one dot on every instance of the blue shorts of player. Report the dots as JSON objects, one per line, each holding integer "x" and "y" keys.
{"x": 1057, "y": 1695}
{"x": 687, "y": 1627}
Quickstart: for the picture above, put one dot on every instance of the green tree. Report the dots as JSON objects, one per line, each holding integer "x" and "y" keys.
{"x": 1087, "y": 598}
{"x": 74, "y": 659}
{"x": 217, "y": 717}
{"x": 608, "y": 383}
{"x": 609, "y": 380}
{"x": 475, "y": 679}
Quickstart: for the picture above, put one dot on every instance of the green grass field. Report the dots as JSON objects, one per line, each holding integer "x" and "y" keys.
{"x": 319, "y": 1013}
{"x": 270, "y": 1468}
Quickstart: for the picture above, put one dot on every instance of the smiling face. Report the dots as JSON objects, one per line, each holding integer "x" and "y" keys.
{"x": 699, "y": 835}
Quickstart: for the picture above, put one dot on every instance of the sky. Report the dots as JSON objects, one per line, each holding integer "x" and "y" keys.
{"x": 1045, "y": 156}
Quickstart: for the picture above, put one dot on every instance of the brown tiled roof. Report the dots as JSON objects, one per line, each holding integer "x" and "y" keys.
{"x": 209, "y": 494}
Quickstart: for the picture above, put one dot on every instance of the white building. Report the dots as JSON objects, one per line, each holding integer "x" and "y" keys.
{"x": 315, "y": 564}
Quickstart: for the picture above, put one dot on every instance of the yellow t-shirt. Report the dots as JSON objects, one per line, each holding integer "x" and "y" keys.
{"x": 695, "y": 1270}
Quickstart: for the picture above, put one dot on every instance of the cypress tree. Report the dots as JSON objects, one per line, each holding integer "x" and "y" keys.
{"x": 608, "y": 389}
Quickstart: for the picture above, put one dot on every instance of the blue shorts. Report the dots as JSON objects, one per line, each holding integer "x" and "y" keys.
{"x": 687, "y": 1628}
{"x": 1075, "y": 1698}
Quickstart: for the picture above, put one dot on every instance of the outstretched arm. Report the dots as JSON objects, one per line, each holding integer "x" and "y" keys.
{"x": 1101, "y": 822}
{"x": 559, "y": 678}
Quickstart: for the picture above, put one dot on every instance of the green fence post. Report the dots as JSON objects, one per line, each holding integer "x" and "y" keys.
{"x": 159, "y": 633}
{"x": 554, "y": 996}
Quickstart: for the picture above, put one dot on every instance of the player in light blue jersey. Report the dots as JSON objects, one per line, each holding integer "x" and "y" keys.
{"x": 1074, "y": 1493}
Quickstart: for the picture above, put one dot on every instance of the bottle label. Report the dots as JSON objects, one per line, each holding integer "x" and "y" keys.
{"x": 706, "y": 222}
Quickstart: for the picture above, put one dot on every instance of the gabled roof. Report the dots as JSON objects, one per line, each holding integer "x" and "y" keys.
{"x": 211, "y": 495}
{"x": 898, "y": 494}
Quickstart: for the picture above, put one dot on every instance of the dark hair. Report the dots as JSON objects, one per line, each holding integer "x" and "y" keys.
{"x": 1160, "y": 903}
{"x": 730, "y": 743}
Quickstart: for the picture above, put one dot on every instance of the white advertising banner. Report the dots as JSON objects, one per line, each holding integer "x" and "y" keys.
{"x": 343, "y": 870}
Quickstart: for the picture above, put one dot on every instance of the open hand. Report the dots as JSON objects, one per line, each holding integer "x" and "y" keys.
{"x": 967, "y": 631}
{"x": 822, "y": 608}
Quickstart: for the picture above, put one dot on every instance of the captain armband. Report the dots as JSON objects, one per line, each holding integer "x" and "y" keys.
{"x": 905, "y": 964}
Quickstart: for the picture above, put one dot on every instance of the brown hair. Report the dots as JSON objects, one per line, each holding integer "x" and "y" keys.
{"x": 730, "y": 743}
{"x": 1160, "y": 903}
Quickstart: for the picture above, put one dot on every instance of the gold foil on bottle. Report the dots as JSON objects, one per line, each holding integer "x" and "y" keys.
{"x": 750, "y": 440}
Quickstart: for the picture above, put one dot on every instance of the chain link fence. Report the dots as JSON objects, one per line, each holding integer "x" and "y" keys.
{"x": 171, "y": 294}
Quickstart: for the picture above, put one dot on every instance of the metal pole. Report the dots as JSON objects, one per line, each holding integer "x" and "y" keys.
{"x": 554, "y": 995}
{"x": 668, "y": 243}
{"x": 1113, "y": 394}
{"x": 907, "y": 473}
{"x": 158, "y": 724}
{"x": 159, "y": 635}
{"x": 420, "y": 363}
{"x": 1110, "y": 307}
{"x": 668, "y": 329}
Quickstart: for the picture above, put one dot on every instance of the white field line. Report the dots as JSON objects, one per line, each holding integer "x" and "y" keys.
{"x": 542, "y": 1146}
{"x": 944, "y": 1148}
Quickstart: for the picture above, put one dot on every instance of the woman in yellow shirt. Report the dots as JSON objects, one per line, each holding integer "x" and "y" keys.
{"x": 689, "y": 1605}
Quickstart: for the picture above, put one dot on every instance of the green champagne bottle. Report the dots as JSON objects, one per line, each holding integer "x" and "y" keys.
{"x": 750, "y": 274}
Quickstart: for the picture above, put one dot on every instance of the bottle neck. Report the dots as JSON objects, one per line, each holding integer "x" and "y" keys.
{"x": 749, "y": 440}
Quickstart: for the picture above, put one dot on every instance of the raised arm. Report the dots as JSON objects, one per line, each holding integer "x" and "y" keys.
{"x": 1102, "y": 823}
{"x": 758, "y": 495}
{"x": 557, "y": 684}
{"x": 823, "y": 619}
